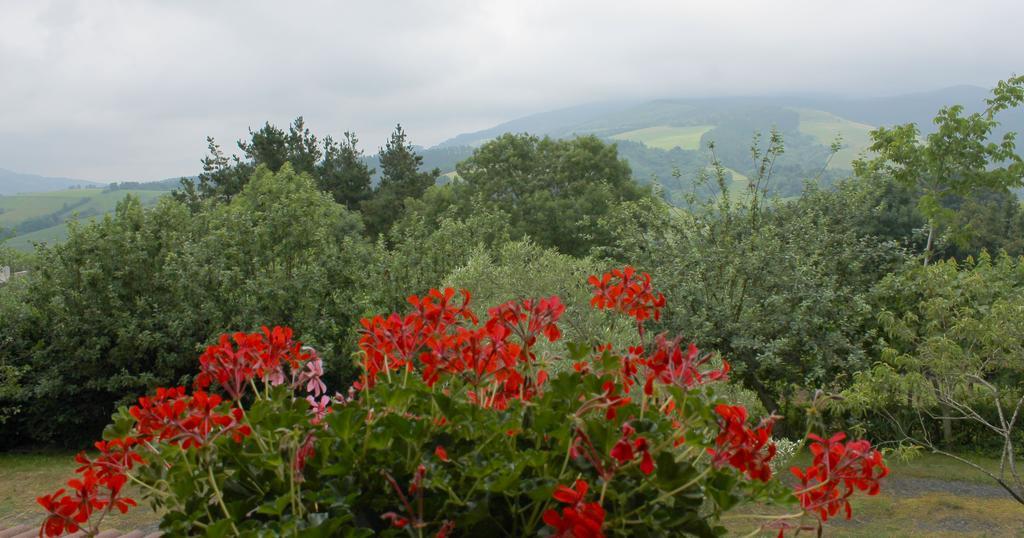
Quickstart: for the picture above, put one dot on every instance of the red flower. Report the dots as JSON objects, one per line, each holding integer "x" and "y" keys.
{"x": 396, "y": 520}
{"x": 624, "y": 450}
{"x": 529, "y": 318}
{"x": 573, "y": 495}
{"x": 746, "y": 449}
{"x": 671, "y": 366}
{"x": 646, "y": 462}
{"x": 117, "y": 457}
{"x": 61, "y": 510}
{"x": 441, "y": 453}
{"x": 611, "y": 400}
{"x": 445, "y": 529}
{"x": 580, "y": 519}
{"x": 836, "y": 472}
{"x": 232, "y": 362}
{"x": 305, "y": 451}
{"x": 627, "y": 292}
{"x": 237, "y": 359}
{"x": 395, "y": 342}
{"x": 68, "y": 510}
{"x": 443, "y": 338}
{"x": 175, "y": 417}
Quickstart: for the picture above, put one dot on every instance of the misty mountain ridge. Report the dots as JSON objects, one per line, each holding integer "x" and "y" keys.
{"x": 659, "y": 136}
{"x": 666, "y": 140}
{"x": 16, "y": 183}
{"x": 607, "y": 119}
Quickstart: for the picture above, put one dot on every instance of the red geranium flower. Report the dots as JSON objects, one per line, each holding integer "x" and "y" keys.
{"x": 580, "y": 519}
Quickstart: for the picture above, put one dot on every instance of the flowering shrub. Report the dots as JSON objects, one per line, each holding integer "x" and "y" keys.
{"x": 457, "y": 426}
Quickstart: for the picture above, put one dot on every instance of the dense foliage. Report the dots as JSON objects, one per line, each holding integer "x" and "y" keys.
{"x": 131, "y": 298}
{"x": 554, "y": 191}
{"x": 951, "y": 368}
{"x": 782, "y": 290}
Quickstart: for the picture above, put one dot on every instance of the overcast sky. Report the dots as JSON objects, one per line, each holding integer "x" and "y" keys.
{"x": 110, "y": 90}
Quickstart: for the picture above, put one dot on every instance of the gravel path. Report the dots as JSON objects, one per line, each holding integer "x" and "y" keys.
{"x": 914, "y": 487}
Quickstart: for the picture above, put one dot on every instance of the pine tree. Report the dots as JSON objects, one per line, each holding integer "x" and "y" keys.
{"x": 401, "y": 178}
{"x": 343, "y": 172}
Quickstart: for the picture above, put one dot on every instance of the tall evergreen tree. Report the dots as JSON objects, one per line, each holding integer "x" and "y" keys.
{"x": 343, "y": 172}
{"x": 223, "y": 177}
{"x": 401, "y": 178}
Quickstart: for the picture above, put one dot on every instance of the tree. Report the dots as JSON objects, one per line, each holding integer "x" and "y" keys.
{"x": 125, "y": 302}
{"x": 343, "y": 172}
{"x": 554, "y": 191}
{"x": 958, "y": 159}
{"x": 337, "y": 168}
{"x": 952, "y": 361}
{"x": 780, "y": 289}
{"x": 401, "y": 179}
{"x": 222, "y": 177}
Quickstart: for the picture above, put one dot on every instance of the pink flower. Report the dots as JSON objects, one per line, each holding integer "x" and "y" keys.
{"x": 318, "y": 408}
{"x": 311, "y": 376}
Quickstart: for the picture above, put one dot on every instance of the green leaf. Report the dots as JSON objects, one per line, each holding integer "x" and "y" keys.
{"x": 219, "y": 529}
{"x": 670, "y": 474}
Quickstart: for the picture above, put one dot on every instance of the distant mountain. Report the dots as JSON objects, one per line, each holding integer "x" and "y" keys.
{"x": 555, "y": 121}
{"x": 919, "y": 108}
{"x": 665, "y": 140}
{"x": 168, "y": 184}
{"x": 15, "y": 183}
{"x": 606, "y": 119}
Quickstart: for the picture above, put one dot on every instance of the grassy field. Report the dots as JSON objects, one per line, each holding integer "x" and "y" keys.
{"x": 930, "y": 496}
{"x": 667, "y": 137}
{"x": 18, "y": 208}
{"x": 23, "y": 477}
{"x": 824, "y": 127}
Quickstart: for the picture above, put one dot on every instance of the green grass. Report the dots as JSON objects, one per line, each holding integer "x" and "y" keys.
{"x": 824, "y": 127}
{"x": 18, "y": 208}
{"x": 23, "y": 477}
{"x": 667, "y": 137}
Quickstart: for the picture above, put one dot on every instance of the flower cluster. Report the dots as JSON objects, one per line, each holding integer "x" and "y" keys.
{"x": 233, "y": 362}
{"x": 579, "y": 519}
{"x": 439, "y": 337}
{"x": 671, "y": 366}
{"x": 628, "y": 292}
{"x": 748, "y": 450}
{"x": 836, "y": 472}
{"x": 97, "y": 489}
{"x": 175, "y": 417}
{"x": 196, "y": 420}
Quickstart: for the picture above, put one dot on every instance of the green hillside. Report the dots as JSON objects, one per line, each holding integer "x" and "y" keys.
{"x": 666, "y": 136}
{"x": 824, "y": 127}
{"x": 51, "y": 235}
{"x": 42, "y": 216}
